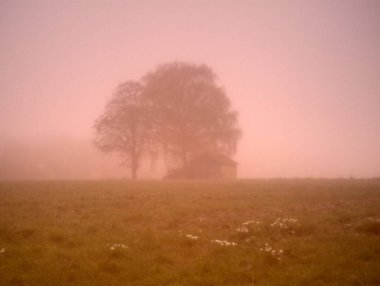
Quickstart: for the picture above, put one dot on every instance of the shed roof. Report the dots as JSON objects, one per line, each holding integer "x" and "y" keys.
{"x": 216, "y": 159}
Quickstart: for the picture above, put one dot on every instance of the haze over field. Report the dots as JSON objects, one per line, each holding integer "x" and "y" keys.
{"x": 303, "y": 75}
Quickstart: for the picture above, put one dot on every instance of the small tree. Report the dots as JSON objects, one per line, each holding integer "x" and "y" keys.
{"x": 124, "y": 126}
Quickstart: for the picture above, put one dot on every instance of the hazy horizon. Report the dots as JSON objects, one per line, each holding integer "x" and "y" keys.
{"x": 303, "y": 75}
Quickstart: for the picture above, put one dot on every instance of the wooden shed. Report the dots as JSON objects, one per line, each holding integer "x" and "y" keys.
{"x": 207, "y": 166}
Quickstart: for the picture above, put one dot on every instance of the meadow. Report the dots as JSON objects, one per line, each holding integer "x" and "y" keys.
{"x": 243, "y": 232}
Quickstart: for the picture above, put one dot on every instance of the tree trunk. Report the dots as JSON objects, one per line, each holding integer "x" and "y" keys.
{"x": 134, "y": 172}
{"x": 184, "y": 157}
{"x": 134, "y": 166}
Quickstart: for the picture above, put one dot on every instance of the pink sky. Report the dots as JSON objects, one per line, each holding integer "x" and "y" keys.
{"x": 304, "y": 75}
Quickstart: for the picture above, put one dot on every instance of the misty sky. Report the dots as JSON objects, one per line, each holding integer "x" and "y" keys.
{"x": 304, "y": 75}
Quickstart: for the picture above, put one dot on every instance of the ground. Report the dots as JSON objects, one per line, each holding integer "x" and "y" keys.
{"x": 242, "y": 232}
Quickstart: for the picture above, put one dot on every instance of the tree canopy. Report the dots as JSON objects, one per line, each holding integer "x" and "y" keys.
{"x": 192, "y": 114}
{"x": 177, "y": 109}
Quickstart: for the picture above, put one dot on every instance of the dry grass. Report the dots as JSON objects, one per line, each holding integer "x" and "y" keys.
{"x": 259, "y": 232}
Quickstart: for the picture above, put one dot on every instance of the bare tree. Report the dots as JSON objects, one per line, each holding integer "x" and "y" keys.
{"x": 124, "y": 126}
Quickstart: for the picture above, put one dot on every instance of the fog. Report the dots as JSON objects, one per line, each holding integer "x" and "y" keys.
{"x": 303, "y": 75}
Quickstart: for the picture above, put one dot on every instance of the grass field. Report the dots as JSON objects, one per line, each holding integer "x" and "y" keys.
{"x": 254, "y": 232}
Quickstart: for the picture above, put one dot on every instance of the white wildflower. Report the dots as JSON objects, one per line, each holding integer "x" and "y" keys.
{"x": 274, "y": 223}
{"x": 2, "y": 250}
{"x": 224, "y": 242}
{"x": 285, "y": 224}
{"x": 275, "y": 253}
{"x": 242, "y": 229}
{"x": 193, "y": 237}
{"x": 117, "y": 245}
{"x": 248, "y": 222}
{"x": 251, "y": 222}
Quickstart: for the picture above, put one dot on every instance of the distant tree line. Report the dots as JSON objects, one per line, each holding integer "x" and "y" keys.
{"x": 177, "y": 111}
